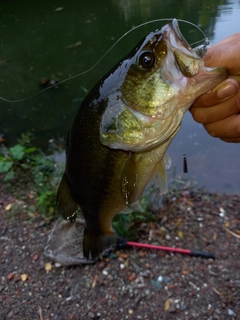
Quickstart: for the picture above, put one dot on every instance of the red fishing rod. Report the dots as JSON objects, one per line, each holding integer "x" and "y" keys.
{"x": 193, "y": 253}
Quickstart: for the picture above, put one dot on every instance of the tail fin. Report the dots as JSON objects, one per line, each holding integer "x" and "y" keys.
{"x": 65, "y": 201}
{"x": 95, "y": 243}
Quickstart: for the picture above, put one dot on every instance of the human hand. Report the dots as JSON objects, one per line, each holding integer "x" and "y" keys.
{"x": 219, "y": 109}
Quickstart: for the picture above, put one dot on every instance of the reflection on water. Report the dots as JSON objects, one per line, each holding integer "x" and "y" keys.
{"x": 65, "y": 37}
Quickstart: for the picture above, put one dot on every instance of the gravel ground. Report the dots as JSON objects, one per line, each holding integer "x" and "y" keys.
{"x": 132, "y": 283}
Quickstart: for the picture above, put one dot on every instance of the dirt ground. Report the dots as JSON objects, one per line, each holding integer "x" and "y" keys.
{"x": 131, "y": 283}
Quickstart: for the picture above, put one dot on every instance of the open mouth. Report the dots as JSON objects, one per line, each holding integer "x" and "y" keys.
{"x": 187, "y": 59}
{"x": 200, "y": 50}
{"x": 175, "y": 26}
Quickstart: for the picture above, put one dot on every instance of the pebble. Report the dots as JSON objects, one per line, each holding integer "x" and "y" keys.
{"x": 9, "y": 315}
{"x": 168, "y": 237}
{"x": 10, "y": 276}
{"x": 170, "y": 305}
{"x": 35, "y": 257}
{"x": 24, "y": 277}
{"x": 231, "y": 313}
{"x": 8, "y": 207}
{"x": 58, "y": 265}
{"x": 160, "y": 278}
{"x": 104, "y": 272}
{"x": 48, "y": 266}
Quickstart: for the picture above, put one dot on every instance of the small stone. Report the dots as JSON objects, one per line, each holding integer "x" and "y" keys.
{"x": 10, "y": 276}
{"x": 48, "y": 266}
{"x": 231, "y": 313}
{"x": 8, "y": 207}
{"x": 104, "y": 272}
{"x": 131, "y": 277}
{"x": 24, "y": 277}
{"x": 35, "y": 257}
{"x": 58, "y": 265}
{"x": 160, "y": 278}
{"x": 91, "y": 315}
{"x": 9, "y": 315}
{"x": 170, "y": 305}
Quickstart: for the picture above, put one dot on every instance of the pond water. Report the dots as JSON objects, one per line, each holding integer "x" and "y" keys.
{"x": 62, "y": 38}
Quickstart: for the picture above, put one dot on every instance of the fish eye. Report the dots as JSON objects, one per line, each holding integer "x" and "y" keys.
{"x": 146, "y": 60}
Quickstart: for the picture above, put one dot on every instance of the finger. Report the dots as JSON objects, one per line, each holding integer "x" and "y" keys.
{"x": 217, "y": 112}
{"x": 228, "y": 128}
{"x": 223, "y": 91}
{"x": 222, "y": 53}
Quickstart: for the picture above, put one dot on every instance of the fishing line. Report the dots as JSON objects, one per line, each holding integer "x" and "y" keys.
{"x": 100, "y": 59}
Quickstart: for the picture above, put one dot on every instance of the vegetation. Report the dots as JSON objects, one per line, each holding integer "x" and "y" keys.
{"x": 24, "y": 167}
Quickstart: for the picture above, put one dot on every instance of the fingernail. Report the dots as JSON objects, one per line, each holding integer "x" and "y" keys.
{"x": 226, "y": 91}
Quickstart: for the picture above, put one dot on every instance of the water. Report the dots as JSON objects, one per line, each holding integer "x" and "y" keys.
{"x": 58, "y": 39}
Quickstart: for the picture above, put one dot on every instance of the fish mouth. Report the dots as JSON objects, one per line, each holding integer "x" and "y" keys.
{"x": 175, "y": 27}
{"x": 200, "y": 50}
{"x": 187, "y": 59}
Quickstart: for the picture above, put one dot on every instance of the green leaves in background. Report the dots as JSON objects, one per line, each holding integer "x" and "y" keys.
{"x": 28, "y": 165}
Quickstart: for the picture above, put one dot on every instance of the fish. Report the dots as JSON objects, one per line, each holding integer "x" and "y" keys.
{"x": 121, "y": 132}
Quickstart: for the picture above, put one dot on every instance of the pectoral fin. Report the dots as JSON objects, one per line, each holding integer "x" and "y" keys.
{"x": 129, "y": 180}
{"x": 167, "y": 161}
{"x": 65, "y": 201}
{"x": 161, "y": 177}
{"x": 133, "y": 207}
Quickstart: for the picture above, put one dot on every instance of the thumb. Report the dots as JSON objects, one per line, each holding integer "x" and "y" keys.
{"x": 224, "y": 54}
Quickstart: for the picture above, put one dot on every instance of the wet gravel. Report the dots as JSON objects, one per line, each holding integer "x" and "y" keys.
{"x": 130, "y": 283}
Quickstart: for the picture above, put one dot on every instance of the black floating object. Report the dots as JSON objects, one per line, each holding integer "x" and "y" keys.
{"x": 185, "y": 168}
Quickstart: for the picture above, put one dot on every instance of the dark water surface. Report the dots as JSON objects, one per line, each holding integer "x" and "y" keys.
{"x": 59, "y": 39}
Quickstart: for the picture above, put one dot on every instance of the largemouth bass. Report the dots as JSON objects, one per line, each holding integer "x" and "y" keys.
{"x": 119, "y": 138}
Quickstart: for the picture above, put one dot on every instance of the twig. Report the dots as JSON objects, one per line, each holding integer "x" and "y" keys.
{"x": 217, "y": 292}
{"x": 232, "y": 233}
{"x": 40, "y": 313}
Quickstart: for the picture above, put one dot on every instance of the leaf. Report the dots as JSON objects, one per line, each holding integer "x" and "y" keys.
{"x": 5, "y": 166}
{"x": 9, "y": 176}
{"x": 29, "y": 150}
{"x": 180, "y": 234}
{"x": 43, "y": 197}
{"x": 17, "y": 152}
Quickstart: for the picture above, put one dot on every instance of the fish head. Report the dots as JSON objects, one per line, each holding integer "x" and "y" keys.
{"x": 160, "y": 79}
